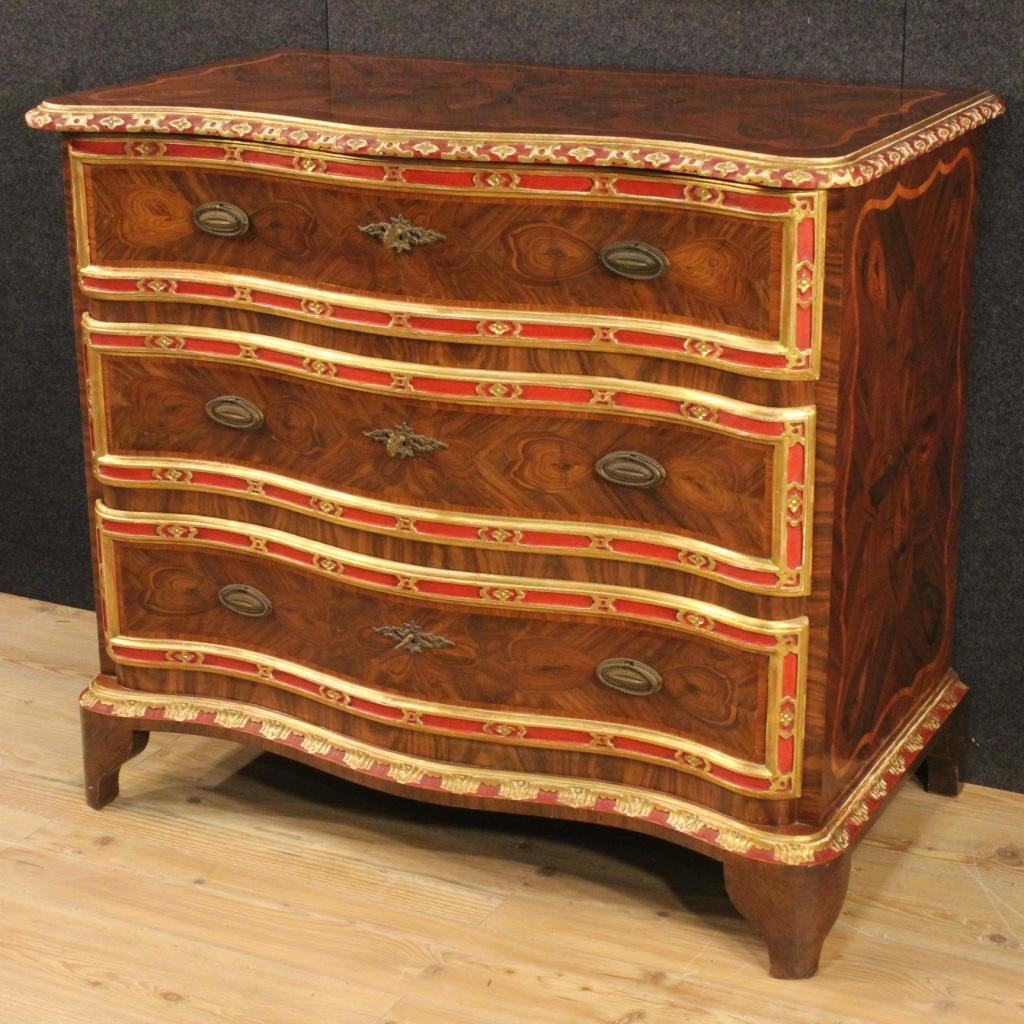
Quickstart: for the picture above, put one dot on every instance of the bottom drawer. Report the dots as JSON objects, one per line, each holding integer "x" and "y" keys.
{"x": 616, "y": 672}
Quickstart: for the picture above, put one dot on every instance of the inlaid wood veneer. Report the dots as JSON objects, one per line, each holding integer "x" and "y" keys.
{"x": 590, "y": 448}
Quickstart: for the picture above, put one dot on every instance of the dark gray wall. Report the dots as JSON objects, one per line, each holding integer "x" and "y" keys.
{"x": 54, "y": 47}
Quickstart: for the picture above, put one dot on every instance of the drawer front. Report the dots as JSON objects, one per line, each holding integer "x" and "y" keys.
{"x": 581, "y": 466}
{"x": 723, "y": 275}
{"x": 615, "y": 671}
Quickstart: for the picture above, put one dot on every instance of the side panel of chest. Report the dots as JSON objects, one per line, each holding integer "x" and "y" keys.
{"x": 909, "y": 244}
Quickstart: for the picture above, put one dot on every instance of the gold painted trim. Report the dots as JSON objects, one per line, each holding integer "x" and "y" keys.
{"x": 691, "y": 616}
{"x": 670, "y": 812}
{"x": 702, "y": 160}
{"x": 601, "y": 593}
{"x": 173, "y": 474}
{"x": 682, "y": 395}
{"x": 799, "y": 421}
{"x": 801, "y": 364}
{"x": 194, "y": 653}
{"x": 396, "y": 165}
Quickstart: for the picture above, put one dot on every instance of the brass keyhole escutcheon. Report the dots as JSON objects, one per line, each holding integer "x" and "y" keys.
{"x": 399, "y": 234}
{"x": 402, "y": 442}
{"x": 242, "y": 599}
{"x": 629, "y": 676}
{"x": 412, "y": 638}
{"x": 235, "y": 412}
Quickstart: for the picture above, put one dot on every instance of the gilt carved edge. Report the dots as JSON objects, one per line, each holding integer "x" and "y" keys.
{"x": 856, "y": 168}
{"x": 661, "y": 811}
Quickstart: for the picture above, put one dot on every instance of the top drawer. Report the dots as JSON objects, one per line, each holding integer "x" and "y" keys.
{"x": 660, "y": 265}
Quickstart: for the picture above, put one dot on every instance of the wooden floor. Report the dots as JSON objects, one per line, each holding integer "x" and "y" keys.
{"x": 229, "y": 888}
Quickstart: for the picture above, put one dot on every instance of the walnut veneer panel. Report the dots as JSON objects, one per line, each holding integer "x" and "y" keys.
{"x": 504, "y": 661}
{"x": 721, "y": 276}
{"x": 723, "y": 271}
{"x": 534, "y": 464}
{"x": 445, "y": 620}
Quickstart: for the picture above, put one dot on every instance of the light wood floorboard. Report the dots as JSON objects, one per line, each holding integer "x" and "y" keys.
{"x": 225, "y": 887}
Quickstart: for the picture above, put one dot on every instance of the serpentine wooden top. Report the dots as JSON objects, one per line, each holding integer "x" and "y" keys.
{"x": 786, "y": 133}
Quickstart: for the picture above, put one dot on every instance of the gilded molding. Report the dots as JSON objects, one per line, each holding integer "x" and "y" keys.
{"x": 710, "y": 162}
{"x": 671, "y": 814}
{"x": 793, "y": 354}
{"x": 783, "y": 643}
{"x": 788, "y": 431}
{"x": 551, "y": 731}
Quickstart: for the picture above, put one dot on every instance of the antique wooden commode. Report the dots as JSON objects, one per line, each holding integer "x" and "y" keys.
{"x": 589, "y": 447}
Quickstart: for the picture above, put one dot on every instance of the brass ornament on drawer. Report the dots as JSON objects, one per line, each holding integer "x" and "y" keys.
{"x": 628, "y": 676}
{"x": 636, "y": 260}
{"x": 242, "y": 599}
{"x": 630, "y": 469}
{"x": 235, "y": 412}
{"x": 223, "y": 220}
{"x": 403, "y": 442}
{"x": 401, "y": 234}
{"x": 412, "y": 637}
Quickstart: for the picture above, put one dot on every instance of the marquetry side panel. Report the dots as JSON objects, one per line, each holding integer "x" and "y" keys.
{"x": 910, "y": 242}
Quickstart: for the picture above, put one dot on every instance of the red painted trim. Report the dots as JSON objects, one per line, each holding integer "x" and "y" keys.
{"x": 510, "y": 595}
{"x": 692, "y": 413}
{"x": 459, "y": 720}
{"x": 605, "y": 183}
{"x": 848, "y": 830}
{"x": 176, "y": 285}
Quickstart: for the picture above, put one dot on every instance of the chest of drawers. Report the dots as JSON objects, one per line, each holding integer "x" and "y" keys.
{"x": 588, "y": 448}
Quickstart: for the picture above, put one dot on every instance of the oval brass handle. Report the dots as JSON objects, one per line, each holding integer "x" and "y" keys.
{"x": 630, "y": 469}
{"x": 629, "y": 676}
{"x": 242, "y": 599}
{"x": 636, "y": 260}
{"x": 225, "y": 220}
{"x": 235, "y": 412}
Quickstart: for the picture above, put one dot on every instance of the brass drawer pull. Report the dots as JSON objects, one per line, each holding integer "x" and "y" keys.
{"x": 234, "y": 412}
{"x": 629, "y": 676}
{"x": 411, "y": 637}
{"x": 636, "y": 260}
{"x": 245, "y": 600}
{"x": 630, "y": 469}
{"x": 225, "y": 220}
{"x": 401, "y": 235}
{"x": 402, "y": 442}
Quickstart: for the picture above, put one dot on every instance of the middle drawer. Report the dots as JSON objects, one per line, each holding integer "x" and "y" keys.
{"x": 572, "y": 465}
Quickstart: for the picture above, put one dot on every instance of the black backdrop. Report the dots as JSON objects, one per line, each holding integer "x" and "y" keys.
{"x": 53, "y": 46}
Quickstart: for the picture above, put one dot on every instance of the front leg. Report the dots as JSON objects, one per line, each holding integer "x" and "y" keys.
{"x": 792, "y": 907}
{"x": 107, "y": 742}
